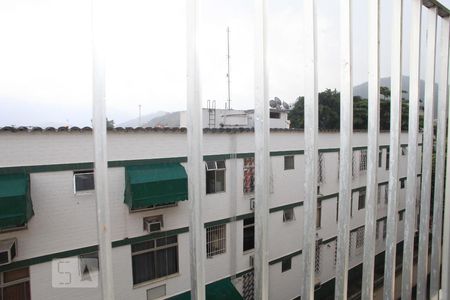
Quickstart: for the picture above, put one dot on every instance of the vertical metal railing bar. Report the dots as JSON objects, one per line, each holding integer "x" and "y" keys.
{"x": 311, "y": 154}
{"x": 262, "y": 171}
{"x": 100, "y": 149}
{"x": 394, "y": 146}
{"x": 195, "y": 155}
{"x": 413, "y": 128}
{"x": 445, "y": 282}
{"x": 345, "y": 166}
{"x": 372, "y": 149}
{"x": 422, "y": 264}
{"x": 435, "y": 264}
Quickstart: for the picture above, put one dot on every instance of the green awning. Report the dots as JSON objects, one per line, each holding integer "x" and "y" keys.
{"x": 219, "y": 290}
{"x": 155, "y": 184}
{"x": 15, "y": 201}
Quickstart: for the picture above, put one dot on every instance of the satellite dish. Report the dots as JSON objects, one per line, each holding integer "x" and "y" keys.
{"x": 285, "y": 105}
{"x": 272, "y": 103}
{"x": 278, "y": 101}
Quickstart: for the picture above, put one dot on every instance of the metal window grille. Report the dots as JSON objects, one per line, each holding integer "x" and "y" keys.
{"x": 354, "y": 172}
{"x": 319, "y": 214}
{"x": 216, "y": 240}
{"x": 249, "y": 175}
{"x": 377, "y": 230}
{"x": 386, "y": 194}
{"x": 360, "y": 238}
{"x": 317, "y": 257}
{"x": 363, "y": 160}
{"x": 384, "y": 228}
{"x": 320, "y": 169}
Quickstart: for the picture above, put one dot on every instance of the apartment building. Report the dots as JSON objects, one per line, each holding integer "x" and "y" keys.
{"x": 48, "y": 210}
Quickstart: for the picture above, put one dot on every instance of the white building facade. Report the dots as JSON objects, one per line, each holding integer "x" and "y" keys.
{"x": 150, "y": 218}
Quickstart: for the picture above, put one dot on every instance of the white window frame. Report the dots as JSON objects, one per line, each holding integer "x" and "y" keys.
{"x": 82, "y": 172}
{"x": 288, "y": 214}
{"x": 215, "y": 168}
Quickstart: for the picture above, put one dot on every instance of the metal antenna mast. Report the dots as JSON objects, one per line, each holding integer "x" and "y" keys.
{"x": 228, "y": 62}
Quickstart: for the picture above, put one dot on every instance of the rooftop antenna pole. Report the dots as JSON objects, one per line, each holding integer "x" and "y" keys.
{"x": 228, "y": 62}
{"x": 140, "y": 123}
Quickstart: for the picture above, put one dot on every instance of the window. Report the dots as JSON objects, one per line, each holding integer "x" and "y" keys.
{"x": 154, "y": 259}
{"x": 362, "y": 200}
{"x": 286, "y": 264}
{"x": 275, "y": 115}
{"x": 402, "y": 183}
{"x": 384, "y": 228}
{"x": 88, "y": 265}
{"x": 335, "y": 252}
{"x": 337, "y": 208}
{"x": 363, "y": 160}
{"x": 216, "y": 242}
{"x": 377, "y": 231}
{"x": 386, "y": 194}
{"x": 387, "y": 158}
{"x": 404, "y": 150}
{"x": 379, "y": 194}
{"x": 215, "y": 176}
{"x": 360, "y": 237}
{"x": 380, "y": 158}
{"x": 319, "y": 214}
{"x": 156, "y": 292}
{"x": 401, "y": 215}
{"x": 249, "y": 234}
{"x": 317, "y": 258}
{"x": 15, "y": 284}
{"x": 320, "y": 169}
{"x": 353, "y": 164}
{"x": 249, "y": 175}
{"x": 288, "y": 215}
{"x": 289, "y": 163}
{"x": 83, "y": 180}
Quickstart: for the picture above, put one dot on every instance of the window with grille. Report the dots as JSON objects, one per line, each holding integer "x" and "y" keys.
{"x": 249, "y": 234}
{"x": 317, "y": 258}
{"x": 216, "y": 242}
{"x": 379, "y": 194}
{"x": 15, "y": 284}
{"x": 363, "y": 160}
{"x": 337, "y": 208}
{"x": 320, "y": 169}
{"x": 384, "y": 228}
{"x": 249, "y": 175}
{"x": 386, "y": 194}
{"x": 335, "y": 252}
{"x": 353, "y": 164}
{"x": 360, "y": 237}
{"x": 215, "y": 176}
{"x": 286, "y": 264}
{"x": 362, "y": 200}
{"x": 288, "y": 214}
{"x": 83, "y": 181}
{"x": 289, "y": 162}
{"x": 154, "y": 259}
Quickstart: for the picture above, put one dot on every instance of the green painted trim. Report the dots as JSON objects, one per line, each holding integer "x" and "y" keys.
{"x": 228, "y": 220}
{"x": 329, "y": 150}
{"x": 75, "y": 252}
{"x": 287, "y": 206}
{"x": 217, "y": 157}
{"x": 151, "y": 236}
{"x": 329, "y": 240}
{"x": 136, "y": 162}
{"x": 280, "y": 259}
{"x": 360, "y": 189}
{"x": 242, "y": 273}
{"x": 326, "y": 197}
{"x": 245, "y": 155}
{"x": 288, "y": 152}
{"x": 47, "y": 168}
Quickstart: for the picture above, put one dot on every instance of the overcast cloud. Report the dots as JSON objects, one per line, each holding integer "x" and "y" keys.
{"x": 46, "y": 62}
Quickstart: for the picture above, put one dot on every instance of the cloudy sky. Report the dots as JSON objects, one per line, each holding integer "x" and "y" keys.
{"x": 46, "y": 62}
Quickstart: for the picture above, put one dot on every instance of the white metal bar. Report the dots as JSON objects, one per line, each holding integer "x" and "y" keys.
{"x": 311, "y": 134}
{"x": 440, "y": 160}
{"x": 100, "y": 149}
{"x": 345, "y": 166}
{"x": 262, "y": 171}
{"x": 394, "y": 156}
{"x": 413, "y": 127}
{"x": 372, "y": 149}
{"x": 195, "y": 165}
{"x": 446, "y": 236}
{"x": 422, "y": 265}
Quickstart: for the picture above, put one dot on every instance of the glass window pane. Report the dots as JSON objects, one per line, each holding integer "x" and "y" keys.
{"x": 220, "y": 181}
{"x": 84, "y": 181}
{"x": 220, "y": 164}
{"x": 210, "y": 182}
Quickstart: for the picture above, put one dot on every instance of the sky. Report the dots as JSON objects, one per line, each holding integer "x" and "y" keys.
{"x": 46, "y": 55}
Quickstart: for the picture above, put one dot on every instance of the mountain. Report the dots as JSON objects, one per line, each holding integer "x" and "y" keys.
{"x": 166, "y": 120}
{"x": 362, "y": 90}
{"x": 144, "y": 119}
